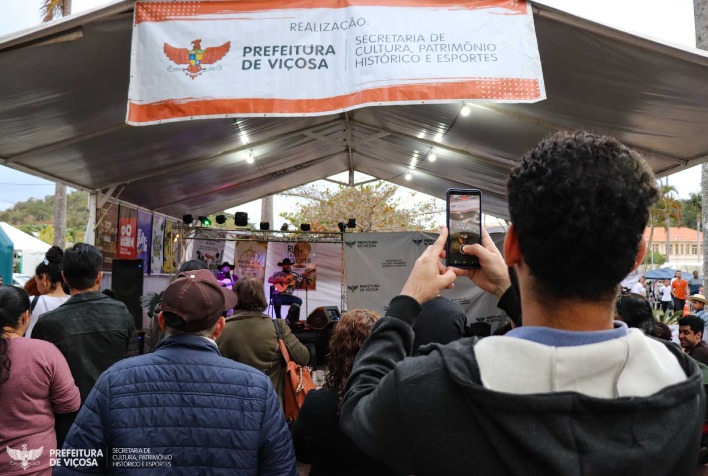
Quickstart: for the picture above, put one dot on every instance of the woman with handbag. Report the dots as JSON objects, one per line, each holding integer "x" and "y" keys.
{"x": 317, "y": 436}
{"x": 250, "y": 335}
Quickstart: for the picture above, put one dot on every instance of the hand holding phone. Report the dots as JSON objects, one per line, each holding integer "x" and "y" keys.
{"x": 464, "y": 222}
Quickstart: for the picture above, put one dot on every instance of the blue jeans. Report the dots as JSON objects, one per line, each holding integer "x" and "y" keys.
{"x": 280, "y": 299}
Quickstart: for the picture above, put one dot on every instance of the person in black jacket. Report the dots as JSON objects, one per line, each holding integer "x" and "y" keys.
{"x": 92, "y": 330}
{"x": 317, "y": 436}
{"x": 569, "y": 392}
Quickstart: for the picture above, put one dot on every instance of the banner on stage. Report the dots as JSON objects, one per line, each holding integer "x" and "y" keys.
{"x": 107, "y": 234}
{"x": 209, "y": 247}
{"x": 250, "y": 258}
{"x": 196, "y": 60}
{"x": 127, "y": 233}
{"x": 169, "y": 247}
{"x": 157, "y": 249}
{"x": 144, "y": 236}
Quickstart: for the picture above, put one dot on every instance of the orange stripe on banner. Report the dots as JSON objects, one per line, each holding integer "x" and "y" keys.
{"x": 507, "y": 89}
{"x": 165, "y": 11}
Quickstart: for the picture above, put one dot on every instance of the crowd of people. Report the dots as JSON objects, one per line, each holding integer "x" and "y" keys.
{"x": 584, "y": 380}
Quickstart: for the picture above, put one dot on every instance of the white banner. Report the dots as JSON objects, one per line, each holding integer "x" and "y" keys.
{"x": 194, "y": 60}
{"x": 377, "y": 265}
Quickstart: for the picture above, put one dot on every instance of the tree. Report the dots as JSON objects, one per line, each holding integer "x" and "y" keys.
{"x": 691, "y": 210}
{"x": 374, "y": 206}
{"x": 665, "y": 212}
{"x": 52, "y": 9}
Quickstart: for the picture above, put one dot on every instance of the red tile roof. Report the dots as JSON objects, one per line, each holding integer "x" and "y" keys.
{"x": 676, "y": 234}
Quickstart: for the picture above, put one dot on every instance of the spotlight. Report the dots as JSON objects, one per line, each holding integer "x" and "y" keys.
{"x": 250, "y": 159}
{"x": 408, "y": 176}
{"x": 204, "y": 220}
{"x": 304, "y": 227}
{"x": 432, "y": 157}
{"x": 220, "y": 219}
{"x": 341, "y": 226}
{"x": 284, "y": 227}
{"x": 351, "y": 223}
{"x": 465, "y": 111}
{"x": 187, "y": 219}
{"x": 265, "y": 225}
{"x": 241, "y": 219}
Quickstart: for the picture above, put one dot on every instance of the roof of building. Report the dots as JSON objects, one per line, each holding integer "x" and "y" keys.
{"x": 676, "y": 234}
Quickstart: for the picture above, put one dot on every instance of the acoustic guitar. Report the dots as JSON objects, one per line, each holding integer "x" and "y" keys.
{"x": 282, "y": 288}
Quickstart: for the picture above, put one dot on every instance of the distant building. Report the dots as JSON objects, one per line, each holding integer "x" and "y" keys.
{"x": 686, "y": 252}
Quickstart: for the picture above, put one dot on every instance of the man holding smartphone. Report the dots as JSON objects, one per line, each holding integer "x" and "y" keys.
{"x": 570, "y": 392}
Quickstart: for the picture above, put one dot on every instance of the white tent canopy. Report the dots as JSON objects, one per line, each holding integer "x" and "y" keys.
{"x": 32, "y": 249}
{"x": 64, "y": 94}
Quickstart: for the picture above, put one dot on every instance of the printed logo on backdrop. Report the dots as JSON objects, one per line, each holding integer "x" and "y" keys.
{"x": 364, "y": 288}
{"x": 367, "y": 243}
{"x": 196, "y": 57}
{"x": 25, "y": 458}
{"x": 127, "y": 239}
{"x": 423, "y": 241}
{"x": 350, "y": 244}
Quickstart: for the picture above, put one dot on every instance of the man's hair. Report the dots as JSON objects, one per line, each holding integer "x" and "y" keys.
{"x": 82, "y": 263}
{"x": 174, "y": 319}
{"x": 250, "y": 294}
{"x": 635, "y": 311}
{"x": 694, "y": 322}
{"x": 580, "y": 203}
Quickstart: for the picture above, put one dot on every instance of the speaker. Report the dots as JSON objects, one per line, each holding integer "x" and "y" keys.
{"x": 241, "y": 219}
{"x": 127, "y": 283}
{"x": 323, "y": 316}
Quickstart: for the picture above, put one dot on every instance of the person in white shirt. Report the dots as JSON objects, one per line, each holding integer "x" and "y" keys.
{"x": 639, "y": 287}
{"x": 49, "y": 280}
{"x": 666, "y": 297}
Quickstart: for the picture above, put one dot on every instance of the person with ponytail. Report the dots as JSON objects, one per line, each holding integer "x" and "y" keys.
{"x": 49, "y": 283}
{"x": 35, "y": 383}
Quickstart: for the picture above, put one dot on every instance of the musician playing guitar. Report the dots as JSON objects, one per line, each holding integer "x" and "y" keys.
{"x": 284, "y": 283}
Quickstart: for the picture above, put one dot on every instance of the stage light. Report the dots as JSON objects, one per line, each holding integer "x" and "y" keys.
{"x": 241, "y": 219}
{"x": 465, "y": 111}
{"x": 432, "y": 157}
{"x": 304, "y": 227}
{"x": 341, "y": 226}
{"x": 220, "y": 219}
{"x": 351, "y": 223}
{"x": 284, "y": 227}
{"x": 250, "y": 159}
{"x": 187, "y": 219}
{"x": 265, "y": 225}
{"x": 205, "y": 221}
{"x": 408, "y": 176}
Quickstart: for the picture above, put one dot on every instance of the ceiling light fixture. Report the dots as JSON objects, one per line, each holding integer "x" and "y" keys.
{"x": 408, "y": 176}
{"x": 432, "y": 157}
{"x": 438, "y": 137}
{"x": 465, "y": 111}
{"x": 250, "y": 159}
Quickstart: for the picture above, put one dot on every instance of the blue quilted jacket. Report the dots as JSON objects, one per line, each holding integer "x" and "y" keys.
{"x": 182, "y": 409}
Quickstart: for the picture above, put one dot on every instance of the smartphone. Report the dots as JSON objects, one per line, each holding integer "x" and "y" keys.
{"x": 464, "y": 225}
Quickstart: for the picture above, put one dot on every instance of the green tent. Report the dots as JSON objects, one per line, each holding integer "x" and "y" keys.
{"x": 7, "y": 250}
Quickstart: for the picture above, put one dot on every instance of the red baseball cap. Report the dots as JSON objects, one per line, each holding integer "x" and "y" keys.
{"x": 198, "y": 299}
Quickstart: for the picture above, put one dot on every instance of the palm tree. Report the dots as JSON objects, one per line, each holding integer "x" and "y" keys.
{"x": 50, "y": 10}
{"x": 666, "y": 209}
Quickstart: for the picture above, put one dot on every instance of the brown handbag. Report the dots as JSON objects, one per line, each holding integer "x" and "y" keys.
{"x": 298, "y": 381}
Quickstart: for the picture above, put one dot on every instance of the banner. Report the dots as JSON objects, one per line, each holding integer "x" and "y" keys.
{"x": 378, "y": 264}
{"x": 107, "y": 234}
{"x": 329, "y": 274}
{"x": 127, "y": 233}
{"x": 169, "y": 247}
{"x": 207, "y": 249}
{"x": 157, "y": 241}
{"x": 144, "y": 237}
{"x": 282, "y": 58}
{"x": 250, "y": 259}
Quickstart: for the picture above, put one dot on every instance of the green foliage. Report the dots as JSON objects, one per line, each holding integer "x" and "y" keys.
{"x": 670, "y": 317}
{"x": 691, "y": 210}
{"x": 374, "y": 206}
{"x": 658, "y": 258}
{"x": 34, "y": 216}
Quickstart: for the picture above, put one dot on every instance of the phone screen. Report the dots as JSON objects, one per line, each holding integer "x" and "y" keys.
{"x": 464, "y": 224}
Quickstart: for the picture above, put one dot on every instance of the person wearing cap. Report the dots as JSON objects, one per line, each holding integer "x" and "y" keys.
{"x": 185, "y": 407}
{"x": 284, "y": 282}
{"x": 699, "y": 302}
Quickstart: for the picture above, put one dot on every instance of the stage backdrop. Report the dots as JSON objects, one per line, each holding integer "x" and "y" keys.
{"x": 249, "y": 259}
{"x": 377, "y": 265}
{"x": 194, "y": 60}
{"x": 328, "y": 266}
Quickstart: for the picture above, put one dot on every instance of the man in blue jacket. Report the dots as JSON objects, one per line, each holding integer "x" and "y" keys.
{"x": 183, "y": 409}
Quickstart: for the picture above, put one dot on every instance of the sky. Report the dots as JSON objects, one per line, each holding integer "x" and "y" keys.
{"x": 667, "y": 21}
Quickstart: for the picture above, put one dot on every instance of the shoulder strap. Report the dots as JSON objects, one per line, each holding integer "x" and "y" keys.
{"x": 34, "y": 303}
{"x": 281, "y": 342}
